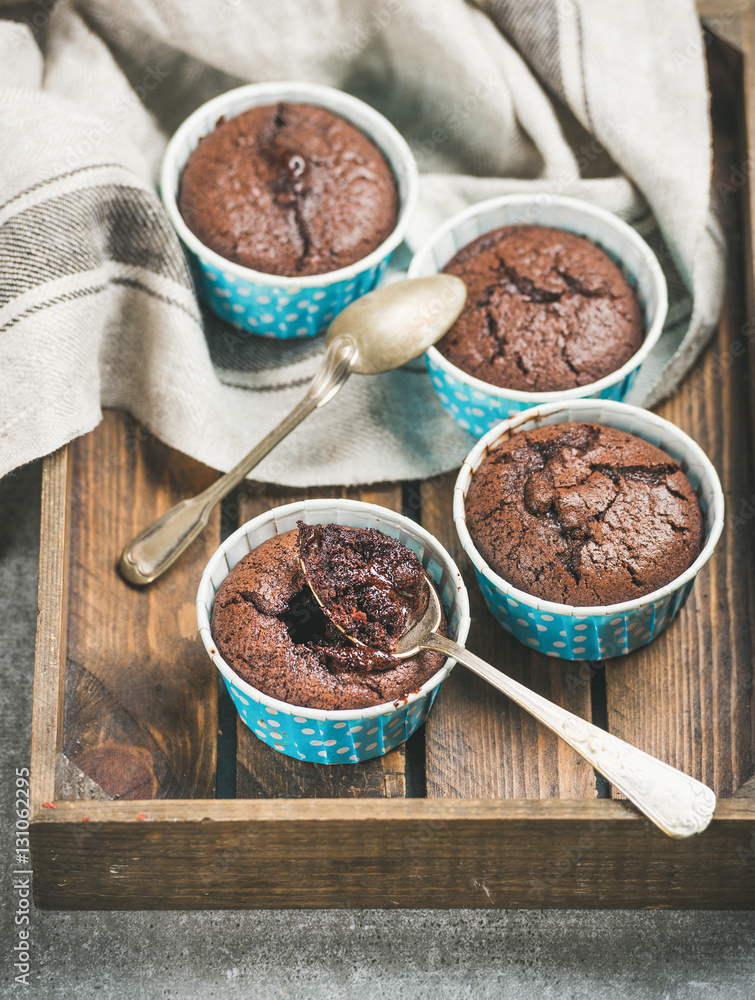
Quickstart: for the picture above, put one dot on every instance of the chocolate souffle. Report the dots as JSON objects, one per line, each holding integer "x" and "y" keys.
{"x": 269, "y": 628}
{"x": 289, "y": 189}
{"x": 583, "y": 515}
{"x": 545, "y": 310}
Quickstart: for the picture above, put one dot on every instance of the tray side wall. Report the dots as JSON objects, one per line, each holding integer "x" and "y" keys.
{"x": 390, "y": 853}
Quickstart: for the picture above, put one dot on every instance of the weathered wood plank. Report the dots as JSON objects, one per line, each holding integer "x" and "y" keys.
{"x": 743, "y": 85}
{"x": 262, "y": 773}
{"x": 724, "y": 8}
{"x": 478, "y": 743}
{"x": 687, "y": 697}
{"x": 141, "y": 695}
{"x": 746, "y": 126}
{"x": 52, "y": 624}
{"x": 387, "y": 853}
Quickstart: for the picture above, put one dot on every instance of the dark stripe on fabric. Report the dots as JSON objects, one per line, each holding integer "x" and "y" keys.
{"x": 133, "y": 283}
{"x": 295, "y": 384}
{"x": 642, "y": 220}
{"x": 60, "y": 177}
{"x": 81, "y": 231}
{"x": 532, "y": 27}
{"x": 78, "y": 293}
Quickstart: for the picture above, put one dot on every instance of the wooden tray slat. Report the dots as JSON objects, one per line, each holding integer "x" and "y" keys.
{"x": 478, "y": 743}
{"x": 687, "y": 697}
{"x": 141, "y": 701}
{"x": 388, "y": 853}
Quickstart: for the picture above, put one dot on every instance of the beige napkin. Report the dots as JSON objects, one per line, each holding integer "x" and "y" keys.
{"x": 96, "y": 305}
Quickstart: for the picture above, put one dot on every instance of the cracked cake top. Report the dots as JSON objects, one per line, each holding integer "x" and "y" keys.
{"x": 583, "y": 515}
{"x": 289, "y": 189}
{"x": 545, "y": 310}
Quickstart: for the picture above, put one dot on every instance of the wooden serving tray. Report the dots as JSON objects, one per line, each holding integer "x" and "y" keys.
{"x": 147, "y": 791}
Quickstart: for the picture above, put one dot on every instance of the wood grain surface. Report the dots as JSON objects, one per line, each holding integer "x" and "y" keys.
{"x": 478, "y": 743}
{"x": 52, "y": 628}
{"x": 687, "y": 697}
{"x": 387, "y": 852}
{"x": 140, "y": 692}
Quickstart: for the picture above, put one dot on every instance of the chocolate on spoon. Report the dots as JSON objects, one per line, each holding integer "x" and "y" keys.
{"x": 370, "y": 586}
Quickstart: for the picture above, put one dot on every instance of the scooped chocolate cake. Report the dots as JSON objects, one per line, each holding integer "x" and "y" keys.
{"x": 372, "y": 585}
{"x": 270, "y": 629}
{"x": 289, "y": 189}
{"x": 584, "y": 515}
{"x": 545, "y": 310}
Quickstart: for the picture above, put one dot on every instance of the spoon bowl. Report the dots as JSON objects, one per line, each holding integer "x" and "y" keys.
{"x": 410, "y": 642}
{"x": 428, "y": 623}
{"x": 379, "y": 332}
{"x": 396, "y": 324}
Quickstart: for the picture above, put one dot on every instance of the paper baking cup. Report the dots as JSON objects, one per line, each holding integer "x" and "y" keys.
{"x": 477, "y": 406}
{"x": 267, "y": 304}
{"x": 312, "y": 734}
{"x": 594, "y": 633}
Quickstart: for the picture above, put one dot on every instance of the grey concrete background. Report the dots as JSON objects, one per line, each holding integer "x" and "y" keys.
{"x": 322, "y": 955}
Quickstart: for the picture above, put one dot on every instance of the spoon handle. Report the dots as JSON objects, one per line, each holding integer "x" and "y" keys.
{"x": 157, "y": 547}
{"x": 678, "y": 804}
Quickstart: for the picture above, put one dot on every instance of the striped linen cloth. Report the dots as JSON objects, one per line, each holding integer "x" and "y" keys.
{"x": 607, "y": 102}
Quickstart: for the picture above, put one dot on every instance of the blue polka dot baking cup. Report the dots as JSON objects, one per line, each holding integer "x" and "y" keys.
{"x": 593, "y": 633}
{"x": 333, "y": 737}
{"x": 266, "y": 304}
{"x": 478, "y": 406}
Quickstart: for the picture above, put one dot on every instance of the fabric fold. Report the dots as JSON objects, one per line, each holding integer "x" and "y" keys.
{"x": 97, "y": 306}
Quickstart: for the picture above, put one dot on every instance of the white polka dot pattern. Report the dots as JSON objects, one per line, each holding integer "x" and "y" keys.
{"x": 597, "y": 637}
{"x": 283, "y": 312}
{"x": 331, "y": 742}
{"x": 478, "y": 412}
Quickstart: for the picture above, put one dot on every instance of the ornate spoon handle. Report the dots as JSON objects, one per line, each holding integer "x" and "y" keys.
{"x": 157, "y": 546}
{"x": 678, "y": 804}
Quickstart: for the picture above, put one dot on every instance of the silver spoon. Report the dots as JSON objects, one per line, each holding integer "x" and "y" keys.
{"x": 379, "y": 332}
{"x": 678, "y": 804}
